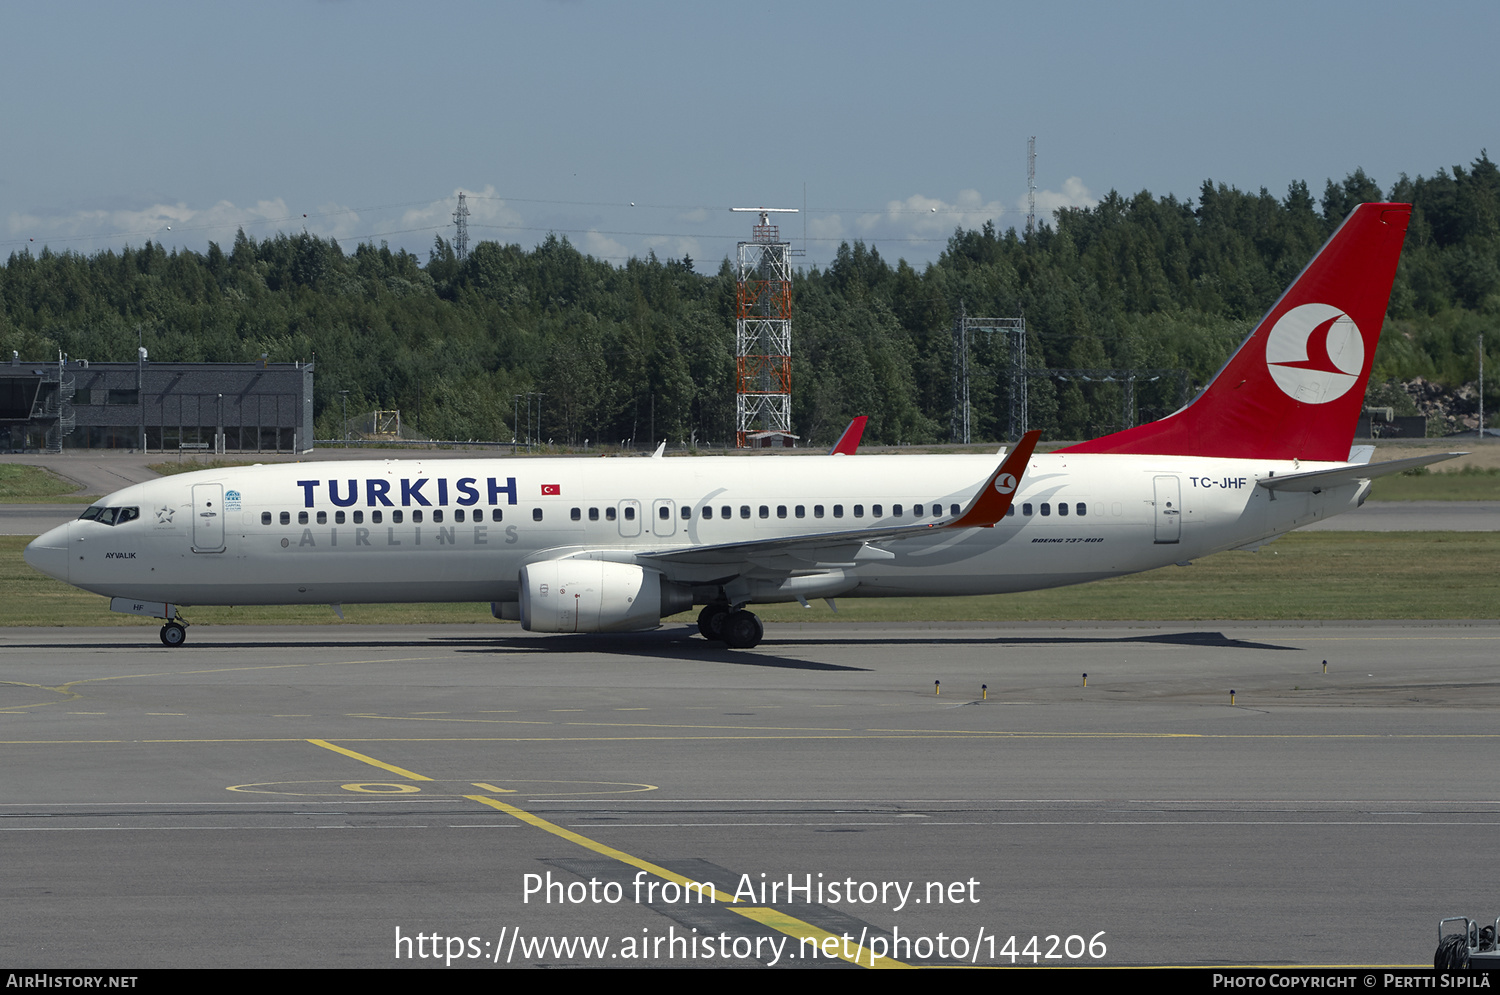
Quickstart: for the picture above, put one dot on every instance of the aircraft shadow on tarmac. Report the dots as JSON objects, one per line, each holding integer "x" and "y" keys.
{"x": 683, "y": 643}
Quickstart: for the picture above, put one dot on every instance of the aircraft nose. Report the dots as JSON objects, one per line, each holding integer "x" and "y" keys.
{"x": 49, "y": 553}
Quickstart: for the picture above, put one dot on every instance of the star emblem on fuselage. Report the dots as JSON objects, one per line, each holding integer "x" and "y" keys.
{"x": 163, "y": 515}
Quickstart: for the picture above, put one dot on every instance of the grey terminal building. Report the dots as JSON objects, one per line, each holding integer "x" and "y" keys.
{"x": 213, "y": 407}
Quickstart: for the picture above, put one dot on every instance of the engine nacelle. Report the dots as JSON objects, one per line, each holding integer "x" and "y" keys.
{"x": 596, "y": 596}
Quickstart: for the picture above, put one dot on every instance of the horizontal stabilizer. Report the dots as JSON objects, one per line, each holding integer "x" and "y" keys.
{"x": 1318, "y": 480}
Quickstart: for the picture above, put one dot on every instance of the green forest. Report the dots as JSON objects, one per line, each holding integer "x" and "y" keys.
{"x": 646, "y": 349}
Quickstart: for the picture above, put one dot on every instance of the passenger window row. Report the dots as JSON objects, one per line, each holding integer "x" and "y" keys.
{"x": 1080, "y": 509}
{"x": 116, "y": 516}
{"x": 765, "y": 511}
{"x": 377, "y": 517}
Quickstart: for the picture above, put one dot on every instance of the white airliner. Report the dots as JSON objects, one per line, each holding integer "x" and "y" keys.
{"x": 603, "y": 545}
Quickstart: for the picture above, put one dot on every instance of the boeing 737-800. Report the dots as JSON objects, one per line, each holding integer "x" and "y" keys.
{"x": 602, "y": 545}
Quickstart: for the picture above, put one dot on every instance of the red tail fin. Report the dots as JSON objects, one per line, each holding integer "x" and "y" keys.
{"x": 1295, "y": 387}
{"x": 848, "y": 443}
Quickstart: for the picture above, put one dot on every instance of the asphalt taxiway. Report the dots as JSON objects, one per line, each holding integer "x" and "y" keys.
{"x": 341, "y": 796}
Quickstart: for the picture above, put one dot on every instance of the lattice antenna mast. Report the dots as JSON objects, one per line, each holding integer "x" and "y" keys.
{"x": 763, "y": 330}
{"x": 1030, "y": 186}
{"x": 461, "y": 229}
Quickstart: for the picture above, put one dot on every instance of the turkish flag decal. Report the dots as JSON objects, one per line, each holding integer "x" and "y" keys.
{"x": 552, "y": 489}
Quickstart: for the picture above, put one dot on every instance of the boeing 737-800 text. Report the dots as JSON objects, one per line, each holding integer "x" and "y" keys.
{"x": 591, "y": 545}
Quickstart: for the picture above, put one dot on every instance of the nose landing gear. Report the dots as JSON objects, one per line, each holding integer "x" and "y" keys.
{"x": 173, "y": 634}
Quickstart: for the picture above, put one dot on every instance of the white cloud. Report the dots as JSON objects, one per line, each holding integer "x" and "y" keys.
{"x": 489, "y": 216}
{"x": 603, "y": 247}
{"x": 922, "y": 217}
{"x": 1073, "y": 194}
{"x": 931, "y": 217}
{"x": 830, "y": 226}
{"x": 176, "y": 224}
{"x": 675, "y": 246}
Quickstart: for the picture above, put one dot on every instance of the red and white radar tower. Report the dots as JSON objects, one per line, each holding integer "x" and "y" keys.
{"x": 763, "y": 331}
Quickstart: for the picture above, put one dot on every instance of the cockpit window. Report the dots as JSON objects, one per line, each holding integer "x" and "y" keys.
{"x": 109, "y": 516}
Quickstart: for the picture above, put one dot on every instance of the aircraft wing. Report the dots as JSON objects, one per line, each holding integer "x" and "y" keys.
{"x": 1318, "y": 480}
{"x": 987, "y": 507}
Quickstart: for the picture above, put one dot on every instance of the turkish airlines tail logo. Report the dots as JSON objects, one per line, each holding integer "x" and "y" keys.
{"x": 1293, "y": 389}
{"x": 1315, "y": 353}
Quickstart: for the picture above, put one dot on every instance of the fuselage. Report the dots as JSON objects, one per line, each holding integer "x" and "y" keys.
{"x": 462, "y": 530}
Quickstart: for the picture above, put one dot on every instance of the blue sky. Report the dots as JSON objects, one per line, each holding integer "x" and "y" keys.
{"x": 902, "y": 120}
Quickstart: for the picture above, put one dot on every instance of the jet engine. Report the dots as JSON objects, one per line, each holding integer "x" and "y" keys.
{"x": 596, "y": 596}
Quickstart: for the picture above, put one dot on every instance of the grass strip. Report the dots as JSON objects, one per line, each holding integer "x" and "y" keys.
{"x": 1303, "y": 576}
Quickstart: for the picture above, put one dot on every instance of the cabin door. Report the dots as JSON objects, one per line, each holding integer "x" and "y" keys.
{"x": 1168, "y": 510}
{"x": 208, "y": 518}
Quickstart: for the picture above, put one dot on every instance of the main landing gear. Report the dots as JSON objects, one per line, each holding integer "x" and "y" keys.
{"x": 737, "y": 629}
{"x": 173, "y": 634}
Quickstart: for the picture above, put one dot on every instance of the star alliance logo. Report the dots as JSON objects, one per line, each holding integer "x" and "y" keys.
{"x": 163, "y": 515}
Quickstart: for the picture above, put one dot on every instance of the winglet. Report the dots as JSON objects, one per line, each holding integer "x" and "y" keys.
{"x": 848, "y": 443}
{"x": 994, "y": 498}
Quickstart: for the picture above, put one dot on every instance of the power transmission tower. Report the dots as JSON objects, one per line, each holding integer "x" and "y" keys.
{"x": 461, "y": 234}
{"x": 1014, "y": 329}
